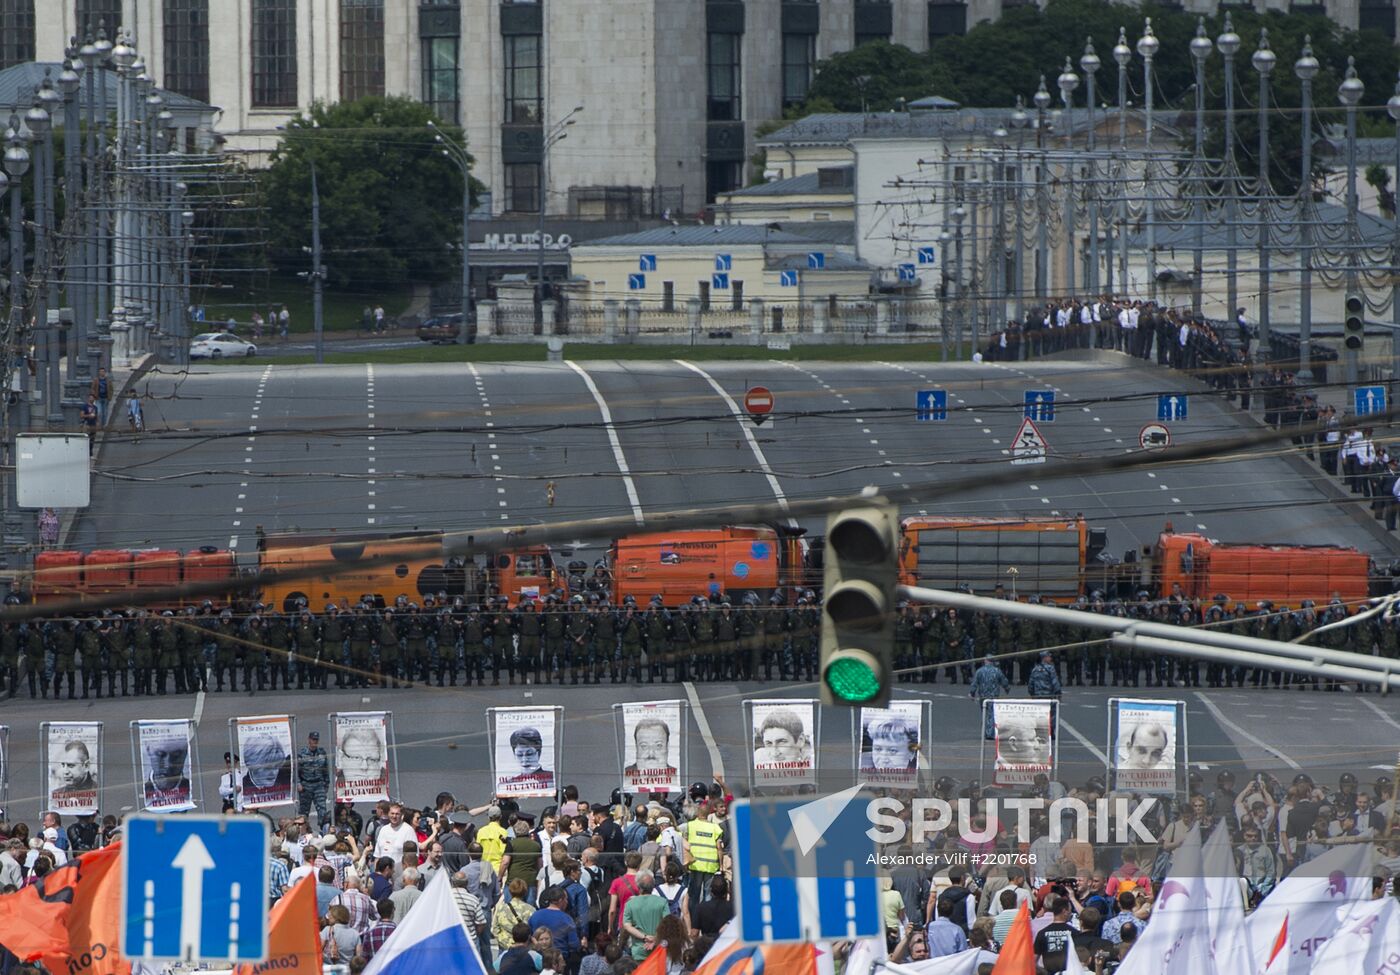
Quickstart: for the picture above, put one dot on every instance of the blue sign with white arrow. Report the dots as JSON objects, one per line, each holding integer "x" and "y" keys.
{"x": 805, "y": 870}
{"x": 1040, "y": 405}
{"x": 720, "y": 282}
{"x": 907, "y": 273}
{"x": 787, "y": 279}
{"x": 647, "y": 262}
{"x": 1172, "y": 406}
{"x": 931, "y": 404}
{"x": 194, "y": 888}
{"x": 1369, "y": 399}
{"x": 723, "y": 262}
{"x": 816, "y": 260}
{"x": 636, "y": 282}
{"x": 927, "y": 255}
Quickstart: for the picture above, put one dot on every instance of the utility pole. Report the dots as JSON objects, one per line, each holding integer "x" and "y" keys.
{"x": 317, "y": 271}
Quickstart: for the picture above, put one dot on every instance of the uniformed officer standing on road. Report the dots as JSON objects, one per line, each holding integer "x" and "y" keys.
{"x": 313, "y": 778}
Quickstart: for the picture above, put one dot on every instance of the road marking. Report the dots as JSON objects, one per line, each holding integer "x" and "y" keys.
{"x": 706, "y": 735}
{"x": 618, "y": 455}
{"x": 1079, "y": 737}
{"x": 748, "y": 434}
{"x": 1258, "y": 742}
{"x": 1381, "y": 714}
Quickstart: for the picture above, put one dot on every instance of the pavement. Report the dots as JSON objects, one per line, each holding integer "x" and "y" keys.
{"x": 462, "y": 445}
{"x": 441, "y": 734}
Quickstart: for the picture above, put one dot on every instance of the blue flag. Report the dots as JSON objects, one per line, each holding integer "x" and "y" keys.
{"x": 432, "y": 938}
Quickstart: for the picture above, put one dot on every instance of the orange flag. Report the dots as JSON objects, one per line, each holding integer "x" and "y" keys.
{"x": 93, "y": 920}
{"x": 293, "y": 938}
{"x": 655, "y": 963}
{"x": 1018, "y": 952}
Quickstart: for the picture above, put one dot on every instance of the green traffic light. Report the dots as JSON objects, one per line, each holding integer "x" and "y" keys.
{"x": 852, "y": 679}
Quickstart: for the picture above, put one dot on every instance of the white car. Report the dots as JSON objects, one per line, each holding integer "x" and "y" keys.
{"x": 220, "y": 345}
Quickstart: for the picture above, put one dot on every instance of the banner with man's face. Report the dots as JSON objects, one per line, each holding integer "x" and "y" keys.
{"x": 264, "y": 745}
{"x": 651, "y": 747}
{"x": 784, "y": 736}
{"x": 1145, "y": 746}
{"x": 361, "y": 756}
{"x": 890, "y": 738}
{"x": 74, "y": 780}
{"x": 164, "y": 750}
{"x": 1025, "y": 743}
{"x": 523, "y": 762}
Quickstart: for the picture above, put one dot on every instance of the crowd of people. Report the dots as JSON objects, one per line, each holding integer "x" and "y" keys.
{"x": 593, "y": 888}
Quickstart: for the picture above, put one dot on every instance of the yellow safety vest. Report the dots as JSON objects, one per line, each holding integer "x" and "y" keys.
{"x": 703, "y": 839}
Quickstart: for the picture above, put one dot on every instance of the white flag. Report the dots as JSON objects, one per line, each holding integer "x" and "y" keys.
{"x": 963, "y": 963}
{"x": 1176, "y": 940}
{"x": 1288, "y": 929}
{"x": 1366, "y": 943}
{"x": 865, "y": 953}
{"x": 1225, "y": 899}
{"x": 1073, "y": 966}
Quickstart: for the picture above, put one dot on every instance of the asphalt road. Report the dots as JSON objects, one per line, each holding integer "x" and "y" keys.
{"x": 441, "y": 734}
{"x": 461, "y": 445}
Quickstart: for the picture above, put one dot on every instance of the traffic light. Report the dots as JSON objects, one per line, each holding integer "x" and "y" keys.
{"x": 860, "y": 572}
{"x": 1354, "y": 327}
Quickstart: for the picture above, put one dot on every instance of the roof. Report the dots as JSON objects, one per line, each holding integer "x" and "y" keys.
{"x": 808, "y": 184}
{"x": 838, "y": 128}
{"x": 798, "y": 262}
{"x": 1283, "y": 234}
{"x": 700, "y": 235}
{"x": 824, "y": 231}
{"x": 19, "y": 82}
{"x": 932, "y": 103}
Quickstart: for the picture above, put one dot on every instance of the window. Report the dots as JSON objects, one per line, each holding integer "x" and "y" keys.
{"x": 1378, "y": 15}
{"x": 16, "y": 32}
{"x": 799, "y": 54}
{"x": 522, "y": 79}
{"x": 523, "y": 187}
{"x": 361, "y": 49}
{"x": 870, "y": 38}
{"x": 274, "y": 53}
{"x": 720, "y": 177}
{"x": 440, "y": 77}
{"x": 187, "y": 47}
{"x": 946, "y": 20}
{"x": 94, "y": 13}
{"x": 724, "y": 77}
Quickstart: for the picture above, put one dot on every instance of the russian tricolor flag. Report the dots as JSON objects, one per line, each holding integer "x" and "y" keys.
{"x": 432, "y": 938}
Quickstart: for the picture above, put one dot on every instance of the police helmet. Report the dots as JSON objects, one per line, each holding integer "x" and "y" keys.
{"x": 699, "y": 792}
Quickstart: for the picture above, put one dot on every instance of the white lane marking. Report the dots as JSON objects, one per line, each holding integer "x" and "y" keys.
{"x": 1079, "y": 737}
{"x": 1247, "y": 736}
{"x": 618, "y": 455}
{"x": 748, "y": 434}
{"x": 706, "y": 735}
{"x": 1381, "y": 714}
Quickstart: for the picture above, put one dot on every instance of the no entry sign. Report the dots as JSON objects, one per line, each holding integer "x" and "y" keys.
{"x": 758, "y": 401}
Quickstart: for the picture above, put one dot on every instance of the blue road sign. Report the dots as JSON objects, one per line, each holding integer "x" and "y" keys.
{"x": 1172, "y": 406}
{"x": 1040, "y": 405}
{"x": 720, "y": 282}
{"x": 787, "y": 279}
{"x": 647, "y": 262}
{"x": 194, "y": 888}
{"x": 816, "y": 260}
{"x": 811, "y": 855}
{"x": 931, "y": 404}
{"x": 907, "y": 273}
{"x": 636, "y": 282}
{"x": 723, "y": 262}
{"x": 927, "y": 255}
{"x": 1369, "y": 399}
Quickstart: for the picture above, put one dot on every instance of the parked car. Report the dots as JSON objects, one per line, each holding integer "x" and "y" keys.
{"x": 443, "y": 329}
{"x": 220, "y": 345}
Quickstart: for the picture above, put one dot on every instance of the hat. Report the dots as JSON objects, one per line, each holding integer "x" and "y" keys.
{"x": 314, "y": 736}
{"x": 459, "y": 819}
{"x": 493, "y": 812}
{"x": 329, "y": 841}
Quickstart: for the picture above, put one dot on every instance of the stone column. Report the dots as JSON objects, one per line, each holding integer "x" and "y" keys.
{"x": 756, "y": 308}
{"x": 692, "y": 315}
{"x": 485, "y": 319}
{"x": 884, "y": 316}
{"x": 549, "y": 308}
{"x": 634, "y": 317}
{"x": 121, "y": 345}
{"x": 610, "y": 307}
{"x": 820, "y": 318}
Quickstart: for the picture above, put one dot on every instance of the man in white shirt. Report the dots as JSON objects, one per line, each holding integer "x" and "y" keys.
{"x": 389, "y": 841}
{"x": 231, "y": 783}
{"x": 11, "y": 875}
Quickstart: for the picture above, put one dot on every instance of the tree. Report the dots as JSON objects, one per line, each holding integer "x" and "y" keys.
{"x": 873, "y": 77}
{"x": 389, "y": 210}
{"x": 1379, "y": 178}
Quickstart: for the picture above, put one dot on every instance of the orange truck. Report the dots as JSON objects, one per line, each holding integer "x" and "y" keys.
{"x": 1046, "y": 557}
{"x": 680, "y": 565}
{"x": 1282, "y": 574}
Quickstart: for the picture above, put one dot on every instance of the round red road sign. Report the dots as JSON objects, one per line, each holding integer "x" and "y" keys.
{"x": 758, "y": 400}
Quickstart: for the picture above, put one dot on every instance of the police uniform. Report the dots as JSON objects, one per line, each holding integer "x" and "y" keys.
{"x": 313, "y": 780}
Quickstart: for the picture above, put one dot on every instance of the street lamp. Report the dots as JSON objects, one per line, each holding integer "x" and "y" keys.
{"x": 1090, "y": 63}
{"x": 556, "y": 134}
{"x": 40, "y": 125}
{"x": 1069, "y": 83}
{"x": 1041, "y": 100}
{"x": 1228, "y": 43}
{"x": 1019, "y": 121}
{"x": 16, "y": 164}
{"x": 457, "y": 153}
{"x": 1264, "y": 61}
{"x": 1349, "y": 93}
{"x": 1201, "y": 48}
{"x": 70, "y": 82}
{"x": 1392, "y": 107}
{"x": 1122, "y": 54}
{"x": 1305, "y": 69}
{"x": 1147, "y": 47}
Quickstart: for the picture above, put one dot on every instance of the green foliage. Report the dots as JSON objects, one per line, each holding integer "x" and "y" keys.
{"x": 389, "y": 198}
{"x": 1379, "y": 178}
{"x": 871, "y": 78}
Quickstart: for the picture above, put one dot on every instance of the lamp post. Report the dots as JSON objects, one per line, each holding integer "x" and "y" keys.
{"x": 1042, "y": 243}
{"x": 1264, "y": 61}
{"x": 100, "y": 343}
{"x": 70, "y": 82}
{"x": 1122, "y": 54}
{"x": 88, "y": 199}
{"x": 1228, "y": 43}
{"x": 557, "y": 133}
{"x": 40, "y": 125}
{"x": 959, "y": 214}
{"x": 1305, "y": 68}
{"x": 974, "y": 280}
{"x": 1147, "y": 47}
{"x": 457, "y": 152}
{"x": 943, "y": 240}
{"x": 1069, "y": 83}
{"x": 1349, "y": 93}
{"x": 16, "y": 165}
{"x": 1392, "y": 107}
{"x": 996, "y": 312}
{"x": 1201, "y": 48}
{"x": 1089, "y": 63}
{"x": 1019, "y": 121}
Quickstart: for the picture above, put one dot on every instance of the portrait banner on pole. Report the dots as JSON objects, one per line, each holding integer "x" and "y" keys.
{"x": 1147, "y": 745}
{"x": 164, "y": 761}
{"x": 72, "y": 776}
{"x": 783, "y": 734}
{"x": 524, "y": 749}
{"x": 268, "y": 761}
{"x": 362, "y": 755}
{"x": 651, "y": 745}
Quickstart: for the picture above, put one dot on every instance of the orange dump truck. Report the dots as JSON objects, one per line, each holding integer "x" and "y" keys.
{"x": 1028, "y": 556}
{"x": 680, "y": 565}
{"x": 1282, "y": 574}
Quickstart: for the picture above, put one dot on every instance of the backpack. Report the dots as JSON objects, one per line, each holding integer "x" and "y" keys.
{"x": 956, "y": 896}
{"x": 673, "y": 904}
{"x": 597, "y": 909}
